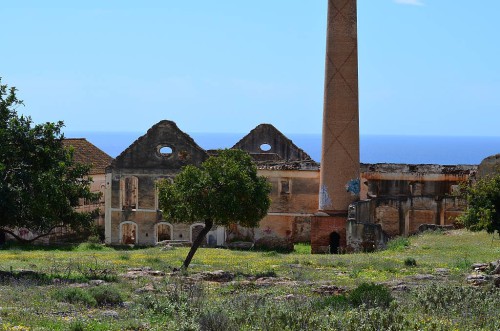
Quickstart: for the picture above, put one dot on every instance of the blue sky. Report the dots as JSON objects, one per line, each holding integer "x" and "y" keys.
{"x": 426, "y": 67}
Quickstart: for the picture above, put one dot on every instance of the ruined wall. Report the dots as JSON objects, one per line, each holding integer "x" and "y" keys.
{"x": 365, "y": 237}
{"x": 293, "y": 191}
{"x": 401, "y": 197}
{"x": 277, "y": 143}
{"x": 132, "y": 202}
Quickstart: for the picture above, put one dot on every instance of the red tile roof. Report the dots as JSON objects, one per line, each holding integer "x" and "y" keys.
{"x": 87, "y": 153}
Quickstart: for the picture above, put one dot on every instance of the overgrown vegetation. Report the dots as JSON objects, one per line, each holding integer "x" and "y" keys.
{"x": 375, "y": 291}
{"x": 483, "y": 205}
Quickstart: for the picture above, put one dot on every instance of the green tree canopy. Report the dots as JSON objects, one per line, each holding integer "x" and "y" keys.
{"x": 224, "y": 190}
{"x": 483, "y": 210}
{"x": 39, "y": 181}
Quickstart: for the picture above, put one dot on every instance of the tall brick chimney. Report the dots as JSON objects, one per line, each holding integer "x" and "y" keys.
{"x": 339, "y": 174}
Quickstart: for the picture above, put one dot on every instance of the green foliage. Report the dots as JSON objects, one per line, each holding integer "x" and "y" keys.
{"x": 215, "y": 320}
{"x": 225, "y": 190}
{"x": 370, "y": 295}
{"x": 103, "y": 295}
{"x": 410, "y": 262}
{"x": 398, "y": 244}
{"x": 39, "y": 181}
{"x": 75, "y": 295}
{"x": 106, "y": 295}
{"x": 301, "y": 248}
{"x": 483, "y": 210}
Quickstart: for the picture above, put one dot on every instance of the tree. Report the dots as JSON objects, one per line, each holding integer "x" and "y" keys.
{"x": 39, "y": 181}
{"x": 224, "y": 190}
{"x": 483, "y": 210}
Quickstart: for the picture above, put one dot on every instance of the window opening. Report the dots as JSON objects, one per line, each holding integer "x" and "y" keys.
{"x": 265, "y": 147}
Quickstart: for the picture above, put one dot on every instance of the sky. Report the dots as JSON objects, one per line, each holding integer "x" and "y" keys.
{"x": 426, "y": 67}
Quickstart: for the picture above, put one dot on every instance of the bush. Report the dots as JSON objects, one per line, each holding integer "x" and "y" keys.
{"x": 410, "y": 262}
{"x": 370, "y": 295}
{"x": 106, "y": 295}
{"x": 75, "y": 295}
{"x": 215, "y": 321}
{"x": 77, "y": 326}
{"x": 398, "y": 244}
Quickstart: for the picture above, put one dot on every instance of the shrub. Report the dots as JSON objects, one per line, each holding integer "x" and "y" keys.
{"x": 331, "y": 301}
{"x": 89, "y": 246}
{"x": 410, "y": 262}
{"x": 75, "y": 295}
{"x": 398, "y": 244}
{"x": 215, "y": 320}
{"x": 106, "y": 295}
{"x": 268, "y": 273}
{"x": 370, "y": 295}
{"x": 77, "y": 326}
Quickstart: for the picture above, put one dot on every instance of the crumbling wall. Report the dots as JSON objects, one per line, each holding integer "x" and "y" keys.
{"x": 365, "y": 237}
{"x": 402, "y": 197}
{"x": 265, "y": 138}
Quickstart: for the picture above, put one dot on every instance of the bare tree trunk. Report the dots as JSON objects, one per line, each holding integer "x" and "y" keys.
{"x": 197, "y": 242}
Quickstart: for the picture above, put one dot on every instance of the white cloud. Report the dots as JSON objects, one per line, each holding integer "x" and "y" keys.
{"x": 410, "y": 2}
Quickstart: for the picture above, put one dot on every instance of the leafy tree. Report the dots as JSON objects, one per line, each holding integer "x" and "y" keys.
{"x": 483, "y": 210}
{"x": 224, "y": 190}
{"x": 39, "y": 181}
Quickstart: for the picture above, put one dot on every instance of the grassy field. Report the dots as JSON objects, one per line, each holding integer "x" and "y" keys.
{"x": 418, "y": 283}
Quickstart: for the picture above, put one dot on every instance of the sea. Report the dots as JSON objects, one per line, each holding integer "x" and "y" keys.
{"x": 445, "y": 150}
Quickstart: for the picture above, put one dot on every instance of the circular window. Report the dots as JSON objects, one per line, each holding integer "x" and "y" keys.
{"x": 165, "y": 150}
{"x": 265, "y": 147}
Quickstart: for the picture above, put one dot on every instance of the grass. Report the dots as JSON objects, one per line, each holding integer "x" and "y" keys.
{"x": 55, "y": 294}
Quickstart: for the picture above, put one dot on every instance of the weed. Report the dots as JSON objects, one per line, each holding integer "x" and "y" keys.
{"x": 268, "y": 273}
{"x": 336, "y": 302}
{"x": 215, "y": 320}
{"x": 302, "y": 248}
{"x": 106, "y": 295}
{"x": 125, "y": 256}
{"x": 370, "y": 295}
{"x": 89, "y": 246}
{"x": 410, "y": 262}
{"x": 398, "y": 244}
{"x": 75, "y": 295}
{"x": 77, "y": 326}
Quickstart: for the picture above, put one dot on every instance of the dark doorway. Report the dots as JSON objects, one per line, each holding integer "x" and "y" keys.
{"x": 334, "y": 243}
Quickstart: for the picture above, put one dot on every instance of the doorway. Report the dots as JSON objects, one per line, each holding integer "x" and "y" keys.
{"x": 128, "y": 233}
{"x": 334, "y": 243}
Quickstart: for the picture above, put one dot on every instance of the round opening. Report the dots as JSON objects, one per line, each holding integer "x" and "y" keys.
{"x": 265, "y": 147}
{"x": 165, "y": 151}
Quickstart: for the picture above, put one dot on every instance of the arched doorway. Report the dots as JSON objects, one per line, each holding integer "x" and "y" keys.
{"x": 334, "y": 242}
{"x": 163, "y": 231}
{"x": 128, "y": 233}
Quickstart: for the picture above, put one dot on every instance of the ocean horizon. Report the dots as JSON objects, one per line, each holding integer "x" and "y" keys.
{"x": 445, "y": 150}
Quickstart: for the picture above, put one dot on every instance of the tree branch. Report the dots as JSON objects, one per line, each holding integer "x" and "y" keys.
{"x": 28, "y": 241}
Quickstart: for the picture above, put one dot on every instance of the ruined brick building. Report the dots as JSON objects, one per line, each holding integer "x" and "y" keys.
{"x": 397, "y": 198}
{"x": 132, "y": 214}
